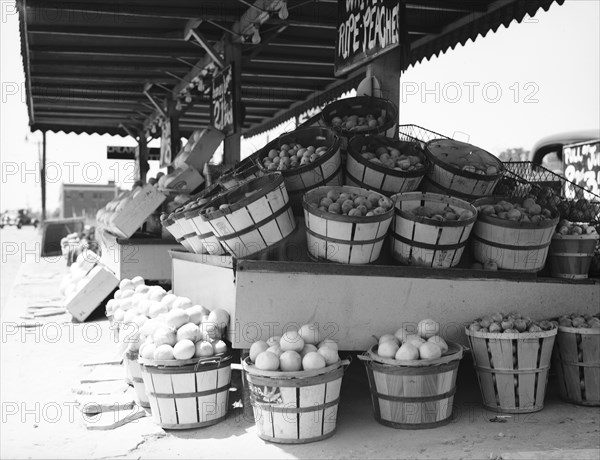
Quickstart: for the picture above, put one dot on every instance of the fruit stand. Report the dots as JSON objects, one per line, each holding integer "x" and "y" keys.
{"x": 354, "y": 227}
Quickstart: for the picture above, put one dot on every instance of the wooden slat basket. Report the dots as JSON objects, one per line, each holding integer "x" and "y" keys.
{"x": 570, "y": 256}
{"x": 325, "y": 170}
{"x": 364, "y": 173}
{"x": 445, "y": 174}
{"x": 510, "y": 244}
{"x": 512, "y": 368}
{"x": 341, "y": 238}
{"x": 134, "y": 371}
{"x": 576, "y": 359}
{"x": 413, "y": 394}
{"x": 361, "y": 106}
{"x": 190, "y": 393}
{"x": 245, "y": 170}
{"x": 204, "y": 232}
{"x": 426, "y": 242}
{"x": 258, "y": 216}
{"x": 295, "y": 407}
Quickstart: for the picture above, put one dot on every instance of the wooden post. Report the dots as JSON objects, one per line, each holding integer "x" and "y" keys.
{"x": 231, "y": 147}
{"x": 173, "y": 115}
{"x": 142, "y": 158}
{"x": 43, "y": 176}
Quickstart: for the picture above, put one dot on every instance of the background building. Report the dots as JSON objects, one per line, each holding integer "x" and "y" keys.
{"x": 84, "y": 200}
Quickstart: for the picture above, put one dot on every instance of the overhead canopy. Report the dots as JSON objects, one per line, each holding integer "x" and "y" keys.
{"x": 87, "y": 62}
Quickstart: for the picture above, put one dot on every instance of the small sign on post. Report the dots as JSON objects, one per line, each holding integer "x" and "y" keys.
{"x": 365, "y": 30}
{"x": 221, "y": 113}
{"x": 581, "y": 165}
{"x": 166, "y": 156}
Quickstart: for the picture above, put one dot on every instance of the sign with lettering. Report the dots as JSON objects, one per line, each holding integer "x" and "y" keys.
{"x": 120, "y": 152}
{"x": 166, "y": 156}
{"x": 581, "y": 165}
{"x": 365, "y": 30}
{"x": 222, "y": 116}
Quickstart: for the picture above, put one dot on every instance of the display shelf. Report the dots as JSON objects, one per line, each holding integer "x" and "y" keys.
{"x": 141, "y": 255}
{"x": 264, "y": 297}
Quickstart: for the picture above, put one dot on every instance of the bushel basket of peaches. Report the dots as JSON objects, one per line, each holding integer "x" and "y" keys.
{"x": 412, "y": 376}
{"x": 511, "y": 354}
{"x": 294, "y": 381}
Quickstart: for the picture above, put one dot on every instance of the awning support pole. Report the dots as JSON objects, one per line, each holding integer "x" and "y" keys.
{"x": 43, "y": 176}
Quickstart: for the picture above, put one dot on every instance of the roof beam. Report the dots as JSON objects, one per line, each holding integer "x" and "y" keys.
{"x": 104, "y": 32}
{"x": 150, "y": 52}
{"x": 110, "y": 79}
{"x": 455, "y": 6}
{"x": 125, "y": 10}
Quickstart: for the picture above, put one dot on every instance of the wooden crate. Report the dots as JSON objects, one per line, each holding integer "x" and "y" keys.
{"x": 192, "y": 394}
{"x": 576, "y": 359}
{"x": 512, "y": 368}
{"x": 341, "y": 238}
{"x": 413, "y": 394}
{"x": 91, "y": 291}
{"x": 128, "y": 219}
{"x": 295, "y": 407}
{"x": 426, "y": 242}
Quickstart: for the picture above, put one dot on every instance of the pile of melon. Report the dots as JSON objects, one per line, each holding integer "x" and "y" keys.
{"x": 406, "y": 345}
{"x": 295, "y": 350}
{"x": 162, "y": 326}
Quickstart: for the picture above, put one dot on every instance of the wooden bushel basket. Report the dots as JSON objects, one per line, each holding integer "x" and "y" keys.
{"x": 341, "y": 238}
{"x": 134, "y": 371}
{"x": 381, "y": 179}
{"x": 570, "y": 256}
{"x": 576, "y": 359}
{"x": 512, "y": 368}
{"x": 447, "y": 176}
{"x": 295, "y": 407}
{"x": 362, "y": 106}
{"x": 259, "y": 216}
{"x": 191, "y": 393}
{"x": 426, "y": 242}
{"x": 413, "y": 394}
{"x": 325, "y": 170}
{"x": 512, "y": 245}
{"x": 204, "y": 232}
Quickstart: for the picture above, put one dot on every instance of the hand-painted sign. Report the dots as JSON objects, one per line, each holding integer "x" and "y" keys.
{"x": 166, "y": 156}
{"x": 222, "y": 116}
{"x": 366, "y": 29}
{"x": 581, "y": 165}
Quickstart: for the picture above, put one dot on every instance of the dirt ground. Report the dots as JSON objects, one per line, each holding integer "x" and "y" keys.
{"x": 41, "y": 417}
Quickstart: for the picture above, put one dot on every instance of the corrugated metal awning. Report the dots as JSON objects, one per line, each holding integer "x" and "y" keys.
{"x": 87, "y": 62}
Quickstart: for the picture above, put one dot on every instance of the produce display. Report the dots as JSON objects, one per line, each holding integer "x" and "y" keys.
{"x": 359, "y": 123}
{"x": 295, "y": 350}
{"x": 565, "y": 227}
{"x": 392, "y": 158}
{"x": 510, "y": 323}
{"x": 290, "y": 156}
{"x": 584, "y": 321}
{"x": 74, "y": 279}
{"x": 526, "y": 211}
{"x": 352, "y": 204}
{"x": 447, "y": 214}
{"x": 405, "y": 345}
{"x": 464, "y": 157}
{"x": 163, "y": 326}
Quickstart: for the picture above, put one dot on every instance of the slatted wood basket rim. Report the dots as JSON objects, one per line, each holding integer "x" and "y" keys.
{"x": 470, "y": 175}
{"x": 440, "y": 189}
{"x": 294, "y": 378}
{"x": 455, "y": 353}
{"x": 354, "y": 151}
{"x": 185, "y": 365}
{"x": 333, "y": 145}
{"x": 348, "y": 103}
{"x": 261, "y": 186}
{"x": 341, "y": 217}
{"x": 548, "y": 223}
{"x": 436, "y": 197}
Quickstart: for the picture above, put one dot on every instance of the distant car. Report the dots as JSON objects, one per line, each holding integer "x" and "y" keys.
{"x": 18, "y": 219}
{"x": 548, "y": 150}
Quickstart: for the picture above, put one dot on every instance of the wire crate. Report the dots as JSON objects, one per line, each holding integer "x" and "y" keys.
{"x": 525, "y": 178}
{"x": 415, "y": 133}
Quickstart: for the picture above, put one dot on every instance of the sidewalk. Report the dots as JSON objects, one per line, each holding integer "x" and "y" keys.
{"x": 40, "y": 366}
